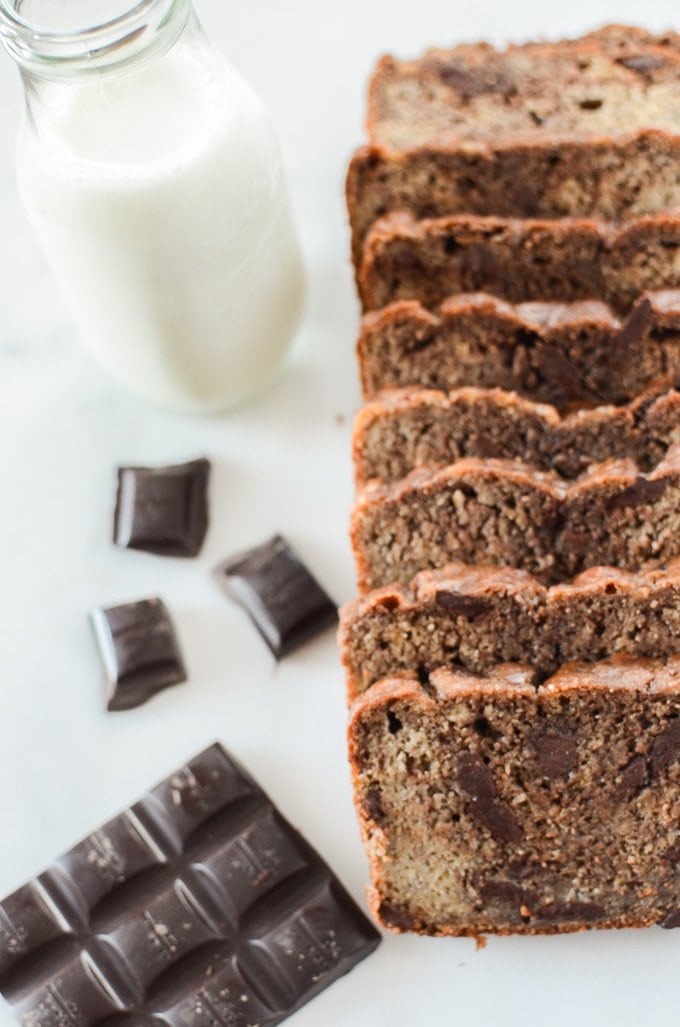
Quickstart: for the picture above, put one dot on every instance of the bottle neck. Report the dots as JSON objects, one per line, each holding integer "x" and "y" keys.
{"x": 117, "y": 35}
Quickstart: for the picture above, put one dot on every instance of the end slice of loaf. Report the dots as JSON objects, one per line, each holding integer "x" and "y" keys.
{"x": 563, "y": 259}
{"x": 474, "y": 130}
{"x": 474, "y": 93}
{"x": 489, "y": 806}
{"x": 570, "y": 354}
{"x": 479, "y": 617}
{"x": 508, "y": 514}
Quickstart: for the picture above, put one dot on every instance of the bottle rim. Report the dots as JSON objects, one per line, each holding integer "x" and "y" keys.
{"x": 14, "y": 20}
{"x": 147, "y": 28}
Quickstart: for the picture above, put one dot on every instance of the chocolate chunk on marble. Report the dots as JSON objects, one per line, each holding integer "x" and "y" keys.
{"x": 162, "y": 510}
{"x": 139, "y": 651}
{"x": 198, "y": 905}
{"x": 285, "y": 602}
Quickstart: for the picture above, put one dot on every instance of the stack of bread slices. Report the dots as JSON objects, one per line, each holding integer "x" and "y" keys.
{"x": 513, "y": 658}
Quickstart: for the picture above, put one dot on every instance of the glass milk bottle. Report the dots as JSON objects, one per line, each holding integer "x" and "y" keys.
{"x": 153, "y": 179}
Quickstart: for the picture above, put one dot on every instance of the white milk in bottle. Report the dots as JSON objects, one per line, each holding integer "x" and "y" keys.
{"x": 155, "y": 184}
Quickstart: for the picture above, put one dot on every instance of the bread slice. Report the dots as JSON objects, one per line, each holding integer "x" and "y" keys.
{"x": 403, "y": 429}
{"x": 479, "y": 617}
{"x": 567, "y": 354}
{"x": 490, "y": 806}
{"x": 517, "y": 259}
{"x": 508, "y": 514}
{"x": 579, "y": 127}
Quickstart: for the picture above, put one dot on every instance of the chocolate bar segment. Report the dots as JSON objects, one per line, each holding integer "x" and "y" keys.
{"x": 162, "y": 510}
{"x": 139, "y": 650}
{"x": 285, "y": 602}
{"x": 198, "y": 905}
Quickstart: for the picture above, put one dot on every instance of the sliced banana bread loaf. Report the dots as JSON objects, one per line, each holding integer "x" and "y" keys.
{"x": 508, "y": 514}
{"x": 518, "y": 259}
{"x": 583, "y": 127}
{"x": 487, "y": 805}
{"x": 407, "y": 428}
{"x": 482, "y": 616}
{"x": 565, "y": 354}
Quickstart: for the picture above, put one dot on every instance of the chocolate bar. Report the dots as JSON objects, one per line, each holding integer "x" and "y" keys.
{"x": 200, "y": 905}
{"x": 285, "y": 602}
{"x": 139, "y": 651}
{"x": 162, "y": 509}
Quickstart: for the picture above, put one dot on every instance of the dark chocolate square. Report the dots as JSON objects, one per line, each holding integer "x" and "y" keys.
{"x": 139, "y": 650}
{"x": 162, "y": 510}
{"x": 284, "y": 601}
{"x": 198, "y": 905}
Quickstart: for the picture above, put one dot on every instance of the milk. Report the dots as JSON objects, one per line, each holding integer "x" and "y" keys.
{"x": 160, "y": 201}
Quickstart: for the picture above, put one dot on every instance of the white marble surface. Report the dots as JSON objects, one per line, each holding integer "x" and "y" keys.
{"x": 280, "y": 464}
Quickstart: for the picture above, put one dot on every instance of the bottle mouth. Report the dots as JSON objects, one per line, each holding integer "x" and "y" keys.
{"x": 144, "y": 28}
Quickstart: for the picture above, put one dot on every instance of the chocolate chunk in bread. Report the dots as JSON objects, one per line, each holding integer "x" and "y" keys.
{"x": 474, "y": 130}
{"x": 478, "y": 617}
{"x": 508, "y": 514}
{"x": 403, "y": 429}
{"x": 537, "y": 825}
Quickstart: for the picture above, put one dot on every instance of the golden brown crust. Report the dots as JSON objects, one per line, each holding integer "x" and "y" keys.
{"x": 530, "y": 519}
{"x": 578, "y": 354}
{"x": 508, "y": 803}
{"x": 617, "y": 474}
{"x": 478, "y": 580}
{"x": 617, "y": 674}
{"x": 477, "y": 616}
{"x": 511, "y": 679}
{"x": 449, "y": 931}
{"x": 581, "y": 177}
{"x": 471, "y": 129}
{"x": 464, "y": 579}
{"x": 427, "y": 479}
{"x": 402, "y": 429}
{"x": 475, "y": 94}
{"x": 564, "y": 713}
{"x": 562, "y": 259}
